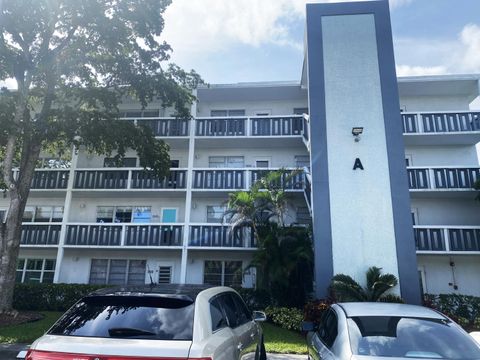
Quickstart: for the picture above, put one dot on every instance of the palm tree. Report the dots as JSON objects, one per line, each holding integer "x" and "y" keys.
{"x": 347, "y": 289}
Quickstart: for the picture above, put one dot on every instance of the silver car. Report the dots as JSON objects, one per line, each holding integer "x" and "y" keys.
{"x": 387, "y": 331}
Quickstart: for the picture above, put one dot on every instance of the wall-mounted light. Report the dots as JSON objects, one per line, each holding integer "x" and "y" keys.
{"x": 356, "y": 132}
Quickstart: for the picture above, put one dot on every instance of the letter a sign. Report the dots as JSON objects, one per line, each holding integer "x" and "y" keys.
{"x": 358, "y": 164}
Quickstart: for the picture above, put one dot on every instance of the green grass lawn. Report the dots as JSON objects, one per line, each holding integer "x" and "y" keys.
{"x": 278, "y": 340}
{"x": 28, "y": 332}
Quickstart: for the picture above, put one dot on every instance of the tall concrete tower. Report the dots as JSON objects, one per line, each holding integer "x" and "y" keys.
{"x": 361, "y": 203}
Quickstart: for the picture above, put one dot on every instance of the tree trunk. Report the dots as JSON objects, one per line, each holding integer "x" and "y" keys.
{"x": 11, "y": 230}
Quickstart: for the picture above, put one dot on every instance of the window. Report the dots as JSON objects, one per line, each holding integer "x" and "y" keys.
{"x": 43, "y": 214}
{"x": 53, "y": 163}
{"x": 174, "y": 164}
{"x": 117, "y": 272}
{"x": 219, "y": 320}
{"x": 414, "y": 213}
{"x": 303, "y": 215}
{"x": 123, "y": 214}
{"x": 165, "y": 275}
{"x": 300, "y": 111}
{"x": 35, "y": 270}
{"x": 169, "y": 215}
{"x": 328, "y": 328}
{"x": 226, "y": 161}
{"x": 261, "y": 163}
{"x": 215, "y": 214}
{"x": 160, "y": 318}
{"x": 408, "y": 160}
{"x": 3, "y": 215}
{"x": 243, "y": 314}
{"x": 224, "y": 113}
{"x": 125, "y": 162}
{"x": 302, "y": 161}
{"x": 225, "y": 273}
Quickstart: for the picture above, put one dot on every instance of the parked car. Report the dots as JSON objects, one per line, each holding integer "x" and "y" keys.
{"x": 387, "y": 331}
{"x": 155, "y": 323}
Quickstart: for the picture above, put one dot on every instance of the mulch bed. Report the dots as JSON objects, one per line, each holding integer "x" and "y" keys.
{"x": 20, "y": 318}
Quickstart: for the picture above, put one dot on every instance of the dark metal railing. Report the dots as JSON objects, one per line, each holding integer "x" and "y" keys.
{"x": 429, "y": 239}
{"x": 219, "y": 179}
{"x": 277, "y": 126}
{"x": 166, "y": 127}
{"x": 94, "y": 235}
{"x": 36, "y": 234}
{"x": 50, "y": 179}
{"x": 220, "y": 126}
{"x": 441, "y": 122}
{"x": 153, "y": 235}
{"x": 464, "y": 239}
{"x": 221, "y": 236}
{"x": 289, "y": 180}
{"x": 141, "y": 179}
{"x": 101, "y": 179}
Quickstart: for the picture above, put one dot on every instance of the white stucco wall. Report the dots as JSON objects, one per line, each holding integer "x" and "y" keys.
{"x": 440, "y": 276}
{"x": 277, "y": 156}
{"x": 85, "y": 209}
{"x": 434, "y": 103}
{"x": 360, "y": 201}
{"x": 447, "y": 211}
{"x": 253, "y": 107}
{"x": 453, "y": 155}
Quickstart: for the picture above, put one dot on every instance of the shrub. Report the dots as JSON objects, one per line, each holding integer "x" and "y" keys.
{"x": 463, "y": 309}
{"x": 390, "y": 298}
{"x": 49, "y": 297}
{"x": 256, "y": 299}
{"x": 314, "y": 310}
{"x": 287, "y": 318}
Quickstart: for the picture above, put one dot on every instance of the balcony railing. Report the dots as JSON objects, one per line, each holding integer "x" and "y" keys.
{"x": 441, "y": 122}
{"x": 231, "y": 179}
{"x": 48, "y": 179}
{"x": 128, "y": 179}
{"x": 447, "y": 238}
{"x": 40, "y": 234}
{"x": 290, "y": 179}
{"x": 165, "y": 126}
{"x": 221, "y": 236}
{"x": 442, "y": 178}
{"x": 289, "y": 125}
{"x": 147, "y": 235}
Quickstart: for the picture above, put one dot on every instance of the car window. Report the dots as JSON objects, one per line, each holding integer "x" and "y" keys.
{"x": 133, "y": 317}
{"x": 328, "y": 329}
{"x": 389, "y": 336}
{"x": 226, "y": 301}
{"x": 219, "y": 320}
{"x": 243, "y": 314}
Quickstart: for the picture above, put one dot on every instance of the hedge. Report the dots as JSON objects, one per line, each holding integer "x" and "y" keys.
{"x": 49, "y": 297}
{"x": 463, "y": 309}
{"x": 287, "y": 318}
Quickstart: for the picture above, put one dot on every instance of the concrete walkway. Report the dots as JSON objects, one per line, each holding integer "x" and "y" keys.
{"x": 286, "y": 357}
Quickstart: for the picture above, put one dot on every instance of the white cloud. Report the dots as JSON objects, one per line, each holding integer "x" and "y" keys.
{"x": 470, "y": 38}
{"x": 439, "y": 56}
{"x": 202, "y": 27}
{"x": 406, "y": 70}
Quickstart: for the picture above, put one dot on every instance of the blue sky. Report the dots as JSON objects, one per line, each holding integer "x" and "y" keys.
{"x": 229, "y": 41}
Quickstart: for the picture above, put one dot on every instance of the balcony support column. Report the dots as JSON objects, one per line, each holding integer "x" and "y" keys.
{"x": 188, "y": 194}
{"x": 66, "y": 215}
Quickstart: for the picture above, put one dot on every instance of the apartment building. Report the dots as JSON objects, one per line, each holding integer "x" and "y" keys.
{"x": 89, "y": 222}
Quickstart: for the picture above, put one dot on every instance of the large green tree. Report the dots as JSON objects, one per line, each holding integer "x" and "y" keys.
{"x": 73, "y": 61}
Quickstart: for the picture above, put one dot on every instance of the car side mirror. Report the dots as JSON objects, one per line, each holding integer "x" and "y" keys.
{"x": 259, "y": 316}
{"x": 476, "y": 336}
{"x": 308, "y": 326}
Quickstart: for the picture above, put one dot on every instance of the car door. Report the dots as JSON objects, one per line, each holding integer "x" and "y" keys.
{"x": 321, "y": 342}
{"x": 223, "y": 339}
{"x": 241, "y": 325}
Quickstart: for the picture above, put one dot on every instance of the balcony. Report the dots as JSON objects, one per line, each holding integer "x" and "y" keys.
{"x": 441, "y": 128}
{"x": 34, "y": 234}
{"x": 48, "y": 179}
{"x": 447, "y": 239}
{"x": 220, "y": 236}
{"x": 241, "y": 179}
{"x": 442, "y": 179}
{"x": 165, "y": 126}
{"x": 116, "y": 179}
{"x": 124, "y": 235}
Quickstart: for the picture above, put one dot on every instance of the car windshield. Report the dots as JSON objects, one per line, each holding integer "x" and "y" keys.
{"x": 403, "y": 337}
{"x": 132, "y": 317}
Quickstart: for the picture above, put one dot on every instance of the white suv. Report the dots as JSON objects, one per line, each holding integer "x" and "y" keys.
{"x": 175, "y": 322}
